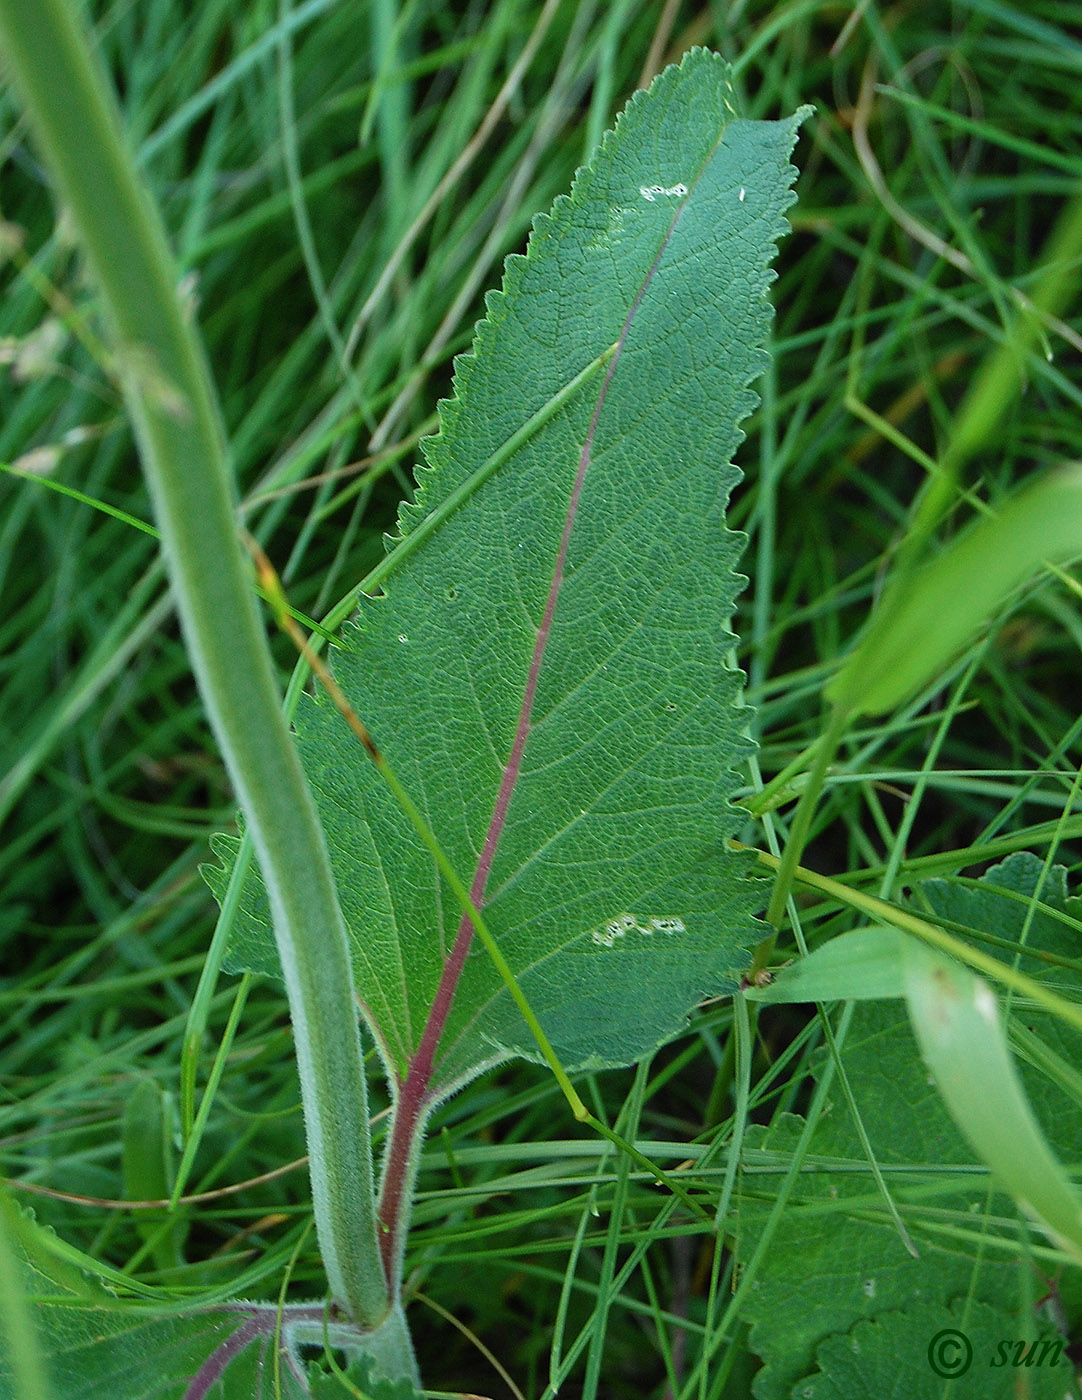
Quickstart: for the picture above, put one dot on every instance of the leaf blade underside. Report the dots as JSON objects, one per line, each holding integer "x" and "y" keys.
{"x": 611, "y": 891}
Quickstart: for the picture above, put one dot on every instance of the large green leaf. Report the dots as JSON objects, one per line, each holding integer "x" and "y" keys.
{"x": 839, "y": 1301}
{"x": 550, "y": 672}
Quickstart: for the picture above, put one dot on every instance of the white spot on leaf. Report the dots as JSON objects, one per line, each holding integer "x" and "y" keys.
{"x": 607, "y": 933}
{"x": 985, "y": 1001}
{"x": 651, "y": 192}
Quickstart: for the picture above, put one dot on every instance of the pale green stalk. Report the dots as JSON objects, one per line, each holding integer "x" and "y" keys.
{"x": 172, "y": 406}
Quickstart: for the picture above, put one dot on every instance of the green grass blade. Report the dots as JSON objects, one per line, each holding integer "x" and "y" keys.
{"x": 172, "y": 405}
{"x": 928, "y": 620}
{"x": 957, "y": 1023}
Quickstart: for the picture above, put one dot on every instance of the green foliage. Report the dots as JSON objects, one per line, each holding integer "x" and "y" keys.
{"x": 843, "y": 1292}
{"x": 609, "y": 887}
{"x": 357, "y": 1383}
{"x": 97, "y": 1349}
{"x": 148, "y": 1168}
{"x": 933, "y": 611}
{"x": 888, "y": 1357}
{"x": 96, "y": 1346}
{"x": 321, "y": 190}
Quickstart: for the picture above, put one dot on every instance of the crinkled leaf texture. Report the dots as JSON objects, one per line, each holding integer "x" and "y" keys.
{"x": 128, "y": 1355}
{"x": 96, "y": 1347}
{"x": 840, "y": 1308}
{"x": 565, "y": 577}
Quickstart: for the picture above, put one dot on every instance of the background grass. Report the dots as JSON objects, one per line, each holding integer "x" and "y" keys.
{"x": 341, "y": 181}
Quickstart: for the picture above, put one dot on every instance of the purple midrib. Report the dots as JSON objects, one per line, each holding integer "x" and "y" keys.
{"x": 414, "y": 1093}
{"x": 452, "y": 968}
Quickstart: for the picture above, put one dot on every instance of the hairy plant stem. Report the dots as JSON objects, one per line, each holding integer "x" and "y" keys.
{"x": 172, "y": 406}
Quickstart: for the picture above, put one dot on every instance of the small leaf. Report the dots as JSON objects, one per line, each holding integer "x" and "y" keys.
{"x": 550, "y": 673}
{"x": 863, "y": 965}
